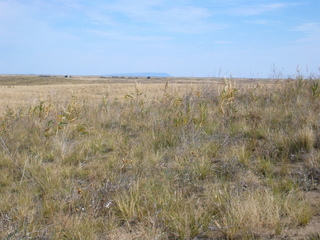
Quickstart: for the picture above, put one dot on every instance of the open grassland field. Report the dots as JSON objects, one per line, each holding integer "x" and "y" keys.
{"x": 159, "y": 158}
{"x": 28, "y": 90}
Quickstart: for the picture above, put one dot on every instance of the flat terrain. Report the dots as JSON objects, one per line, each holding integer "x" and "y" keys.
{"x": 90, "y": 157}
{"x": 22, "y": 90}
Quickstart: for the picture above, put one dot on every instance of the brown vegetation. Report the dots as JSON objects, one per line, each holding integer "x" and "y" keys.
{"x": 171, "y": 159}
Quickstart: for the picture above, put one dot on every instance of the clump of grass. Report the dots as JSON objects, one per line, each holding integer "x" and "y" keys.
{"x": 303, "y": 140}
{"x": 314, "y": 236}
{"x": 182, "y": 165}
{"x": 257, "y": 212}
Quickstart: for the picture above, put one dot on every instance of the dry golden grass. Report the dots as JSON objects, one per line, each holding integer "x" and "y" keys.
{"x": 27, "y": 90}
{"x": 97, "y": 158}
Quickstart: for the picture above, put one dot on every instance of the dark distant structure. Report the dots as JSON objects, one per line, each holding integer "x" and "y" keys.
{"x": 148, "y": 77}
{"x": 67, "y": 76}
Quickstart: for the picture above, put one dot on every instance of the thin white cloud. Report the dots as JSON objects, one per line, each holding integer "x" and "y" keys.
{"x": 167, "y": 17}
{"x": 310, "y": 31}
{"x": 71, "y": 4}
{"x": 154, "y": 15}
{"x": 25, "y": 27}
{"x": 15, "y": 18}
{"x": 265, "y": 22}
{"x": 11, "y": 14}
{"x": 308, "y": 27}
{"x": 117, "y": 35}
{"x": 260, "y": 9}
{"x": 101, "y": 19}
{"x": 222, "y": 42}
{"x": 185, "y": 19}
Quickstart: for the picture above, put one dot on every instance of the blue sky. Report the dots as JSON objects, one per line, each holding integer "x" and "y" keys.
{"x": 208, "y": 38}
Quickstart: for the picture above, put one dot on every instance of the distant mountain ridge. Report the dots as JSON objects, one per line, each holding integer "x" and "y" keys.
{"x": 143, "y": 74}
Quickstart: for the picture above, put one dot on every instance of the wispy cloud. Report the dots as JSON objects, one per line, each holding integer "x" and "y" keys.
{"x": 260, "y": 9}
{"x": 167, "y": 17}
{"x": 265, "y": 22}
{"x": 311, "y": 32}
{"x": 27, "y": 27}
{"x": 15, "y": 21}
{"x": 222, "y": 42}
{"x": 99, "y": 18}
{"x": 308, "y": 28}
{"x": 117, "y": 35}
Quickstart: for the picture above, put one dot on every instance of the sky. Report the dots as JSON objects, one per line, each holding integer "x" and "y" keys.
{"x": 185, "y": 38}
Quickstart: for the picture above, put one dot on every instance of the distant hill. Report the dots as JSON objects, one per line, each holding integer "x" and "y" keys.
{"x": 144, "y": 74}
